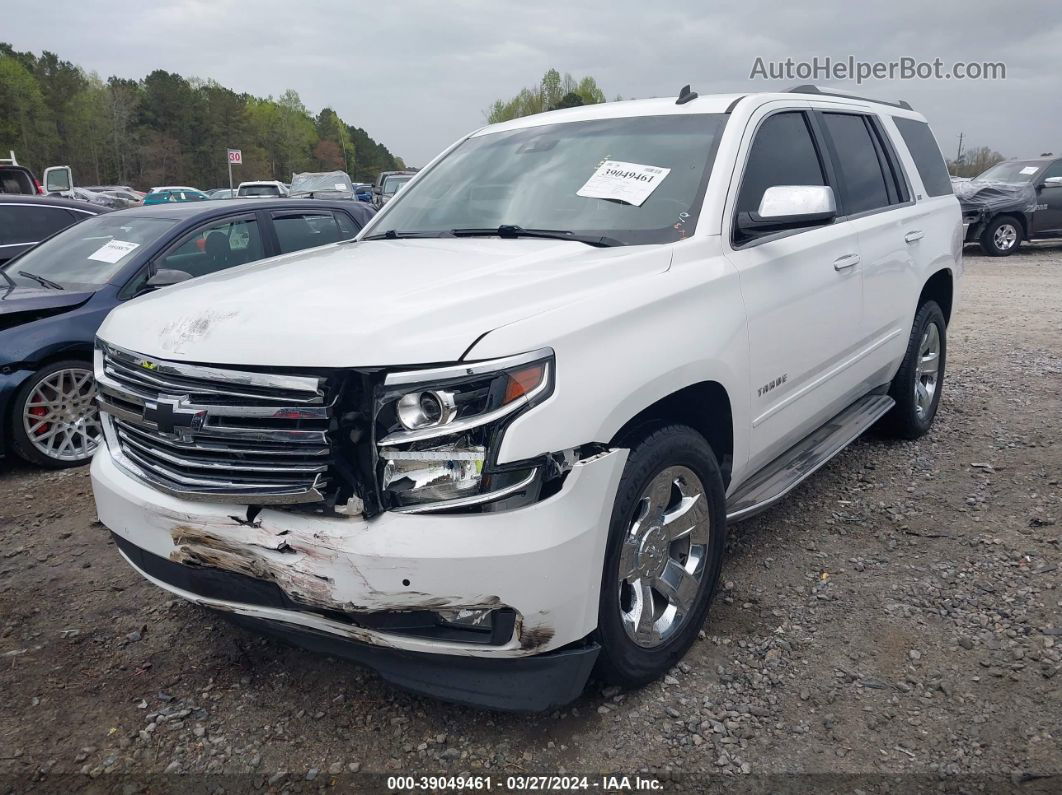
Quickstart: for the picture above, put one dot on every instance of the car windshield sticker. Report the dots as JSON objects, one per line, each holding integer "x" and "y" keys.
{"x": 626, "y": 182}
{"x": 112, "y": 251}
{"x": 1029, "y": 170}
{"x": 340, "y": 186}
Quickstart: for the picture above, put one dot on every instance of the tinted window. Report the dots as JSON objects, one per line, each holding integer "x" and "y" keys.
{"x": 347, "y": 227}
{"x": 783, "y": 153}
{"x": 296, "y": 231}
{"x": 217, "y": 246}
{"x": 926, "y": 155}
{"x": 857, "y": 160}
{"x": 22, "y": 224}
{"x": 259, "y": 190}
{"x": 16, "y": 180}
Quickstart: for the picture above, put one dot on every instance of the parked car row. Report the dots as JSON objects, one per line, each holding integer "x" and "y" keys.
{"x": 54, "y": 294}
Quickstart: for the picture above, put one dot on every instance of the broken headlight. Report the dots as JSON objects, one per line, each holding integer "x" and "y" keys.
{"x": 437, "y": 433}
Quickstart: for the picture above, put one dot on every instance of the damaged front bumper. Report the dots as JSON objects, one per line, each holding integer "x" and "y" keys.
{"x": 368, "y": 589}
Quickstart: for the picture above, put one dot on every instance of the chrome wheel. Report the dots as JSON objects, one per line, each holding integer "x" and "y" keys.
{"x": 928, "y": 373}
{"x": 1005, "y": 236}
{"x": 60, "y": 416}
{"x": 662, "y": 561}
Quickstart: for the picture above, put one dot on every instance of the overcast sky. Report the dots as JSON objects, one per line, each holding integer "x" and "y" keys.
{"x": 417, "y": 74}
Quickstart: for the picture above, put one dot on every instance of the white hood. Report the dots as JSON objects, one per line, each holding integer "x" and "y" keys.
{"x": 370, "y": 303}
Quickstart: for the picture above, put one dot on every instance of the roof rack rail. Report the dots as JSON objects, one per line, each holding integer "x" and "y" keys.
{"x": 11, "y": 161}
{"x": 810, "y": 89}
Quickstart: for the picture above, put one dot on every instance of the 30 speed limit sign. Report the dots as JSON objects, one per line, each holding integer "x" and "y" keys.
{"x": 236, "y": 157}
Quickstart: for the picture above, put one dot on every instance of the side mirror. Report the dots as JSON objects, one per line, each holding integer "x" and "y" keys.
{"x": 377, "y": 190}
{"x": 790, "y": 207}
{"x": 58, "y": 179}
{"x": 1053, "y": 182}
{"x": 164, "y": 277}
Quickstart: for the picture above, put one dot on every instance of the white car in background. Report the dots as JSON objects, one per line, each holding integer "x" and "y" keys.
{"x": 267, "y": 189}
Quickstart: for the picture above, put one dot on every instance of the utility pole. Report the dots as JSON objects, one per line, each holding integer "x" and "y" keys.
{"x": 958, "y": 155}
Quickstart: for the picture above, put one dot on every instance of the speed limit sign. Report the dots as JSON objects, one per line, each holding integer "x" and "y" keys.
{"x": 236, "y": 157}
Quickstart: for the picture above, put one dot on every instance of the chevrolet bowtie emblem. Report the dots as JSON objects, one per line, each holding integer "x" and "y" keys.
{"x": 172, "y": 415}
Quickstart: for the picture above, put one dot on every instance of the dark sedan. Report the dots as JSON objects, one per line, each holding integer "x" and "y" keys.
{"x": 54, "y": 297}
{"x": 27, "y": 220}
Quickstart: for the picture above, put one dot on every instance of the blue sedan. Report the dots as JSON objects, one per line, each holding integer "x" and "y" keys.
{"x": 54, "y": 297}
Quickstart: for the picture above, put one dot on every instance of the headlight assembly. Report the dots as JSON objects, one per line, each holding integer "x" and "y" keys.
{"x": 437, "y": 433}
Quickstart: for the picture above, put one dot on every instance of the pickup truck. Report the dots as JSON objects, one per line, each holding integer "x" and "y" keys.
{"x": 494, "y": 443}
{"x": 1011, "y": 202}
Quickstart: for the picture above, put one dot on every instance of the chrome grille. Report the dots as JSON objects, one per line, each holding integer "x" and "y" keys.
{"x": 215, "y": 433}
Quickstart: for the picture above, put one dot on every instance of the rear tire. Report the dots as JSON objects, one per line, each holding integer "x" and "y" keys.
{"x": 667, "y": 533}
{"x": 920, "y": 380}
{"x": 1002, "y": 236}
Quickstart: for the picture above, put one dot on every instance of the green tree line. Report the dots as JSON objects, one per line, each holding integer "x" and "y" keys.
{"x": 166, "y": 129}
{"x": 552, "y": 92}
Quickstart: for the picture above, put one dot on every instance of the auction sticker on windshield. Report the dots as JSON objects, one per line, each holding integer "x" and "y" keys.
{"x": 632, "y": 183}
{"x": 112, "y": 251}
{"x": 1030, "y": 170}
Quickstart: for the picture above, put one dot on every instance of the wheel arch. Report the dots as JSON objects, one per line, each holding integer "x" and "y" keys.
{"x": 704, "y": 406}
{"x": 939, "y": 287}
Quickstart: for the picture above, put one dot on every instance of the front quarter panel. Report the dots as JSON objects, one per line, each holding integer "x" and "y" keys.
{"x": 628, "y": 346}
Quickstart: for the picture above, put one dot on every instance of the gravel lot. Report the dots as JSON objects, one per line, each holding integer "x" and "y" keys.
{"x": 900, "y": 614}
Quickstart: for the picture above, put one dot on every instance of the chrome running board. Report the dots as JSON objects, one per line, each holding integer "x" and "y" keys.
{"x": 804, "y": 458}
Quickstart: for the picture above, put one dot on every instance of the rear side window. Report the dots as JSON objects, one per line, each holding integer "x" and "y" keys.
{"x": 24, "y": 224}
{"x": 862, "y": 179}
{"x": 299, "y": 230}
{"x": 783, "y": 153}
{"x": 347, "y": 227}
{"x": 926, "y": 155}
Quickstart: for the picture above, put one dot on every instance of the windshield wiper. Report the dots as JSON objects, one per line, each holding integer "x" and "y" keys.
{"x": 510, "y": 231}
{"x": 41, "y": 280}
{"x": 392, "y": 234}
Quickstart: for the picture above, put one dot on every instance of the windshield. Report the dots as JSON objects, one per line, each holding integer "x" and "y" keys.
{"x": 392, "y": 184}
{"x": 539, "y": 178}
{"x": 329, "y": 182}
{"x": 88, "y": 254}
{"x": 1015, "y": 172}
{"x": 259, "y": 190}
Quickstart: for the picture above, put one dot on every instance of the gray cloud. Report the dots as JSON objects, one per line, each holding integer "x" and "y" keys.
{"x": 418, "y": 74}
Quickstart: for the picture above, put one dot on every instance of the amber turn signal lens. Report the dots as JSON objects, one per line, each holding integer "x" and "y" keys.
{"x": 523, "y": 381}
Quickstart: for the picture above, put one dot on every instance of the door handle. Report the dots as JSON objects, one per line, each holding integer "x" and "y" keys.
{"x": 846, "y": 262}
{"x": 913, "y": 235}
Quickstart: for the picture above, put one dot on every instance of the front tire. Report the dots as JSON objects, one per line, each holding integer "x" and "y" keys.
{"x": 55, "y": 422}
{"x": 1001, "y": 237}
{"x": 920, "y": 380}
{"x": 664, "y": 554}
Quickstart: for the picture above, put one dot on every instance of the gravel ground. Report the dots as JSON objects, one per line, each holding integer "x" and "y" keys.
{"x": 895, "y": 623}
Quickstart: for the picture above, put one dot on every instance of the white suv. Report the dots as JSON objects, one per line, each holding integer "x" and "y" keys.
{"x": 497, "y": 440}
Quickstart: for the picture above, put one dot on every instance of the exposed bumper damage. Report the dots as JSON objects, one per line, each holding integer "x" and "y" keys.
{"x": 533, "y": 572}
